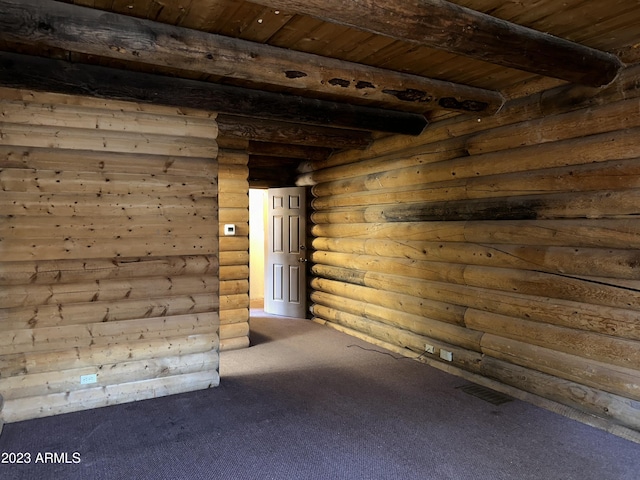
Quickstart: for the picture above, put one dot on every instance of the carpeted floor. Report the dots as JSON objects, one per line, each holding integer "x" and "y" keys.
{"x": 307, "y": 402}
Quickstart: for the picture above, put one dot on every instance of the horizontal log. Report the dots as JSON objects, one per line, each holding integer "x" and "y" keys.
{"x": 291, "y": 133}
{"x": 232, "y": 172}
{"x": 99, "y": 119}
{"x": 105, "y": 333}
{"x": 579, "y": 289}
{"x": 106, "y": 290}
{"x": 413, "y": 349}
{"x": 233, "y": 186}
{"x": 323, "y": 172}
{"x": 564, "y": 260}
{"x": 234, "y": 272}
{"x": 593, "y": 346}
{"x": 524, "y": 282}
{"x": 234, "y": 330}
{"x": 164, "y": 226}
{"x": 227, "y": 156}
{"x": 451, "y": 231}
{"x": 40, "y": 384}
{"x": 613, "y": 233}
{"x": 121, "y": 246}
{"x": 94, "y": 312}
{"x": 422, "y": 325}
{"x": 124, "y": 37}
{"x": 49, "y": 97}
{"x": 445, "y": 312}
{"x": 609, "y": 145}
{"x": 609, "y": 175}
{"x": 120, "y": 142}
{"x": 404, "y": 267}
{"x": 105, "y": 162}
{"x": 78, "y": 271}
{"x": 413, "y": 175}
{"x": 58, "y": 403}
{"x": 614, "y": 116}
{"x": 605, "y": 147}
{"x": 234, "y": 244}
{"x": 236, "y": 315}
{"x": 85, "y": 183}
{"x": 398, "y": 207}
{"x": 621, "y": 322}
{"x": 234, "y": 287}
{"x": 233, "y": 215}
{"x": 446, "y": 26}
{"x": 229, "y": 302}
{"x": 234, "y": 257}
{"x": 620, "y": 410}
{"x": 611, "y": 378}
{"x": 346, "y": 275}
{"x": 235, "y": 343}
{"x": 547, "y": 103}
{"x": 544, "y": 176}
{"x": 397, "y": 336}
{"x": 605, "y": 233}
{"x": 233, "y": 143}
{"x": 17, "y": 203}
{"x": 355, "y": 204}
{"x": 92, "y": 356}
{"x": 20, "y": 71}
{"x": 234, "y": 200}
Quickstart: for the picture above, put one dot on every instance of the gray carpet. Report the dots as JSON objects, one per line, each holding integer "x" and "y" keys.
{"x": 307, "y": 402}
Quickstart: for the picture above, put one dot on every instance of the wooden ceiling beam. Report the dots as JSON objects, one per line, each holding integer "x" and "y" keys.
{"x": 231, "y": 127}
{"x": 272, "y": 171}
{"x": 300, "y": 152}
{"x": 235, "y": 127}
{"x": 48, "y": 23}
{"x": 23, "y": 71}
{"x": 446, "y": 26}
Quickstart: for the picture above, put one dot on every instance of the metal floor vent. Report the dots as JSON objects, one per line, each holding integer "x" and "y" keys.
{"x": 486, "y": 394}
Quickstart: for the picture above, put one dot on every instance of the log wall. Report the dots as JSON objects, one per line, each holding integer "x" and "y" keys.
{"x": 108, "y": 253}
{"x": 234, "y": 250}
{"x": 510, "y": 242}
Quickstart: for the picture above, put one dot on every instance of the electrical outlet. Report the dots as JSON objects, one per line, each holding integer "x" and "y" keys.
{"x": 446, "y": 355}
{"x": 429, "y": 348}
{"x": 86, "y": 379}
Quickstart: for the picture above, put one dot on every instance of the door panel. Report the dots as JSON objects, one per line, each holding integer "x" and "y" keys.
{"x": 286, "y": 253}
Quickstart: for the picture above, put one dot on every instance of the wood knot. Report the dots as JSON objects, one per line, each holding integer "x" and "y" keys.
{"x": 294, "y": 74}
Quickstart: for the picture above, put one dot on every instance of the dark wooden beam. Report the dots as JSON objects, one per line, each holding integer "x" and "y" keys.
{"x": 447, "y": 26}
{"x": 261, "y": 161}
{"x": 288, "y": 151}
{"x": 78, "y": 29}
{"x": 273, "y": 171}
{"x": 23, "y": 71}
{"x": 231, "y": 126}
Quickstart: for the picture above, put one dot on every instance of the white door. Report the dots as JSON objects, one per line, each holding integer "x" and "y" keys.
{"x": 285, "y": 266}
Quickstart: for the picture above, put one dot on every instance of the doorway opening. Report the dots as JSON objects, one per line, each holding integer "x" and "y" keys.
{"x": 257, "y": 242}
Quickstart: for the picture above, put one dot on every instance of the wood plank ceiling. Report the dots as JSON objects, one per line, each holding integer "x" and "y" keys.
{"x": 351, "y": 73}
